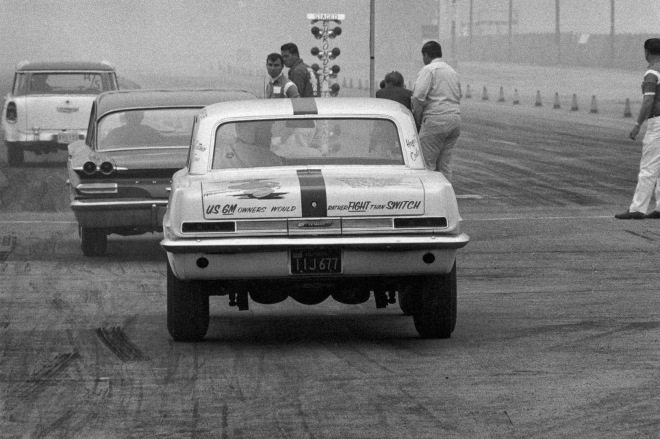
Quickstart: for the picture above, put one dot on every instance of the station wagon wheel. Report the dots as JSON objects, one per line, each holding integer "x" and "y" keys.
{"x": 187, "y": 309}
{"x": 93, "y": 242}
{"x": 435, "y": 307}
{"x": 14, "y": 154}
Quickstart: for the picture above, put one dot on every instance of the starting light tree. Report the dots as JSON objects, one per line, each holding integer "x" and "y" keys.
{"x": 326, "y": 76}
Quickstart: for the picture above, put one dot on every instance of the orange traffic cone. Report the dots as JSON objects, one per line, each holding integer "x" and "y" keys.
{"x": 556, "y": 104}
{"x": 594, "y": 107}
{"x": 501, "y": 98}
{"x": 538, "y": 99}
{"x": 574, "y": 105}
{"x": 516, "y": 98}
{"x": 468, "y": 93}
{"x": 484, "y": 96}
{"x": 626, "y": 111}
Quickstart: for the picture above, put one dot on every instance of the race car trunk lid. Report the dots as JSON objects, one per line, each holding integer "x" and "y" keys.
{"x": 54, "y": 112}
{"x": 314, "y": 193}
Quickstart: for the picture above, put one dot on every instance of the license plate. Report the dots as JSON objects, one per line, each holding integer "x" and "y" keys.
{"x": 67, "y": 136}
{"x": 315, "y": 261}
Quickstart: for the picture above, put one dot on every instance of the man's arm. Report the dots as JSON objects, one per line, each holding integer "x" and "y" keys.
{"x": 648, "y": 87}
{"x": 299, "y": 77}
{"x": 420, "y": 92}
{"x": 291, "y": 91}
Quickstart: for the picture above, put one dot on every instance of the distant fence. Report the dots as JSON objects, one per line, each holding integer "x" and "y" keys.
{"x": 541, "y": 49}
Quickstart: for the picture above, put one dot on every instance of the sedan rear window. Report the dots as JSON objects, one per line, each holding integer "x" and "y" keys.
{"x": 170, "y": 127}
{"x": 67, "y": 83}
{"x": 296, "y": 142}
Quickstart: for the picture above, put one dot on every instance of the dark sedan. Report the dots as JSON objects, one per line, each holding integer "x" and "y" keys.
{"x": 119, "y": 177}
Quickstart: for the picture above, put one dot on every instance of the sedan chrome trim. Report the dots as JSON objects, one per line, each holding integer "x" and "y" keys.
{"x": 263, "y": 244}
{"x": 116, "y": 204}
{"x": 97, "y": 188}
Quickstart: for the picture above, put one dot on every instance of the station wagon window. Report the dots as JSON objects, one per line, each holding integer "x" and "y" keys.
{"x": 68, "y": 83}
{"x": 310, "y": 141}
{"x": 161, "y": 127}
{"x": 20, "y": 84}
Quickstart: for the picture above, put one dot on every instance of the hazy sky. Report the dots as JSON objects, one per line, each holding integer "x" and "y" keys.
{"x": 196, "y": 34}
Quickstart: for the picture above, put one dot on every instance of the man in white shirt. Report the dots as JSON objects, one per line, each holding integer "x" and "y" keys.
{"x": 279, "y": 86}
{"x": 436, "y": 106}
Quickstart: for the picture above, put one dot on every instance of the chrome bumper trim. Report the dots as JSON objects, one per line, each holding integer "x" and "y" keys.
{"x": 78, "y": 205}
{"x": 264, "y": 244}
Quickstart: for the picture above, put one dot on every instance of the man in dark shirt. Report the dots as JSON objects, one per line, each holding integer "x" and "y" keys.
{"x": 299, "y": 72}
{"x": 395, "y": 90}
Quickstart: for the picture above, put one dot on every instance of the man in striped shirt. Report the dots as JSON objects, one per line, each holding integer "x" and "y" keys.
{"x": 648, "y": 180}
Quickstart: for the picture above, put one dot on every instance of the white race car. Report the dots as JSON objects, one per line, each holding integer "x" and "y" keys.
{"x": 49, "y": 104}
{"x": 310, "y": 198}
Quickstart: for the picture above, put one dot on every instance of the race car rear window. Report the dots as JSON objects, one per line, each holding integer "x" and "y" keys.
{"x": 161, "y": 127}
{"x": 311, "y": 141}
{"x": 67, "y": 83}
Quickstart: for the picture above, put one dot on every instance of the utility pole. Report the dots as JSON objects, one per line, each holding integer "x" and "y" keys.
{"x": 454, "y": 55}
{"x": 470, "y": 25}
{"x": 510, "y": 29}
{"x": 612, "y": 37}
{"x": 372, "y": 45}
{"x": 557, "y": 33}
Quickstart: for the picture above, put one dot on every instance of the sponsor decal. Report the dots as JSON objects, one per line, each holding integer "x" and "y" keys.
{"x": 260, "y": 197}
{"x": 367, "y": 206}
{"x": 360, "y": 182}
{"x": 411, "y": 144}
{"x": 264, "y": 189}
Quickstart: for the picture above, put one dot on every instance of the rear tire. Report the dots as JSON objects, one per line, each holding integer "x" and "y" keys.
{"x": 15, "y": 155}
{"x": 93, "y": 242}
{"x": 435, "y": 310}
{"x": 406, "y": 301}
{"x": 187, "y": 309}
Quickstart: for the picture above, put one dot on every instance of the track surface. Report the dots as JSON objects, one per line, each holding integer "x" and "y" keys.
{"x": 557, "y": 335}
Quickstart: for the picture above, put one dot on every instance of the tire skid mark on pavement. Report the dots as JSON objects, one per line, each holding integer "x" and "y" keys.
{"x": 7, "y": 245}
{"x": 45, "y": 376}
{"x": 641, "y": 235}
{"x": 119, "y": 344}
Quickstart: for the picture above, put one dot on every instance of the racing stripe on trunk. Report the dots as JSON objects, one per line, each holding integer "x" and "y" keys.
{"x": 304, "y": 106}
{"x": 313, "y": 197}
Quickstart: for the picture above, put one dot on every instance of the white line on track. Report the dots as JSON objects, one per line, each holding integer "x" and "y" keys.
{"x": 38, "y": 222}
{"x": 525, "y": 218}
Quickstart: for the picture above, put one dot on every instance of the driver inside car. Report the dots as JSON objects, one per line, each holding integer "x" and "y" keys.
{"x": 248, "y": 148}
{"x": 133, "y": 132}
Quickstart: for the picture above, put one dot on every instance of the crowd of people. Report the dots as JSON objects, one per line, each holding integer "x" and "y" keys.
{"x": 435, "y": 104}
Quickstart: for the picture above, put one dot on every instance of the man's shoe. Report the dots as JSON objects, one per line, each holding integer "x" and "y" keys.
{"x": 653, "y": 215}
{"x": 630, "y": 215}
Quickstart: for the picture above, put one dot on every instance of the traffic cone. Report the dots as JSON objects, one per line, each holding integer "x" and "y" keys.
{"x": 350, "y": 83}
{"x": 556, "y": 104}
{"x": 468, "y": 93}
{"x": 594, "y": 107}
{"x": 626, "y": 111}
{"x": 359, "y": 84}
{"x": 516, "y": 98}
{"x": 484, "y": 97}
{"x": 343, "y": 83}
{"x": 574, "y": 105}
{"x": 501, "y": 98}
{"x": 538, "y": 99}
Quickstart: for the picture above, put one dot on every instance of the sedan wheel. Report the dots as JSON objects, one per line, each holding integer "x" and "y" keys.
{"x": 435, "y": 307}
{"x": 14, "y": 155}
{"x": 93, "y": 242}
{"x": 187, "y": 308}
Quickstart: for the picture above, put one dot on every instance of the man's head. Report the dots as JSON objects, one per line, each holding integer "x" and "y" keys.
{"x": 430, "y": 51}
{"x": 274, "y": 64}
{"x": 394, "y": 79}
{"x": 133, "y": 117}
{"x": 652, "y": 46}
{"x": 290, "y": 54}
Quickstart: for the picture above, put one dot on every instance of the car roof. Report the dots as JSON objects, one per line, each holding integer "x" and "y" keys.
{"x": 335, "y": 106}
{"x": 63, "y": 65}
{"x": 127, "y": 99}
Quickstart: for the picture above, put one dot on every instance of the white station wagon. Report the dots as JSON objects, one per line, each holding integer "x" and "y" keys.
{"x": 310, "y": 199}
{"x": 49, "y": 104}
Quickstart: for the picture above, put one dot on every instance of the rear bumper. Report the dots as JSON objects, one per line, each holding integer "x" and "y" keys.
{"x": 41, "y": 141}
{"x": 120, "y": 214}
{"x": 271, "y": 257}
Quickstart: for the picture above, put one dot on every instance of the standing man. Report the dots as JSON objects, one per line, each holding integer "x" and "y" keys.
{"x": 299, "y": 72}
{"x": 648, "y": 180}
{"x": 278, "y": 86}
{"x": 436, "y": 106}
{"x": 395, "y": 90}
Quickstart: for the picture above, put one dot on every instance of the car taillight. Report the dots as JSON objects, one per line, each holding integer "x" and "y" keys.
{"x": 107, "y": 168}
{"x": 12, "y": 113}
{"x": 89, "y": 168}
